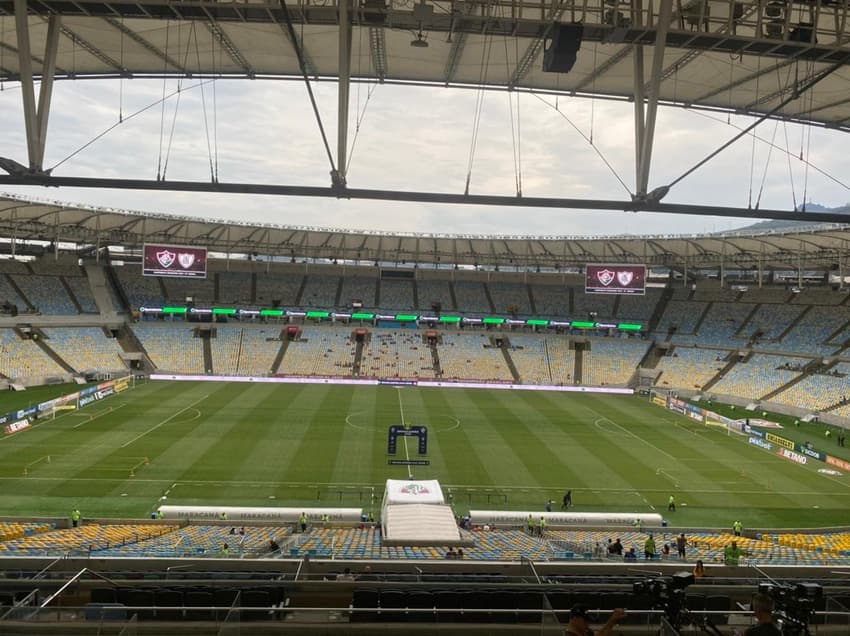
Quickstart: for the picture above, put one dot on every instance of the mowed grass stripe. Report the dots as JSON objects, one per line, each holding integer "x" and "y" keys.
{"x": 357, "y": 458}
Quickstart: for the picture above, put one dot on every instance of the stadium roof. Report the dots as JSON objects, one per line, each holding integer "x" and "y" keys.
{"x": 811, "y": 247}
{"x": 772, "y": 58}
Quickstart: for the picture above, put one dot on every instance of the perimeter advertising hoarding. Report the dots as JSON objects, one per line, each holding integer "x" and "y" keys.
{"x": 175, "y": 260}
{"x": 615, "y": 279}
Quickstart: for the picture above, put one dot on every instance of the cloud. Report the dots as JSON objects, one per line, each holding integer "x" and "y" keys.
{"x": 415, "y": 138}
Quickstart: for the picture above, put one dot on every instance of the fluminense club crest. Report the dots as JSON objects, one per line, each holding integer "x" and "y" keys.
{"x": 605, "y": 276}
{"x": 165, "y": 258}
{"x": 624, "y": 278}
{"x": 186, "y": 259}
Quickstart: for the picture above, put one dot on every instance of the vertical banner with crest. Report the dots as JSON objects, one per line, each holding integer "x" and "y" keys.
{"x": 615, "y": 279}
{"x": 175, "y": 260}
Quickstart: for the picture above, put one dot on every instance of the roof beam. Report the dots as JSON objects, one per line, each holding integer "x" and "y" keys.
{"x": 90, "y": 48}
{"x": 296, "y": 42}
{"x": 145, "y": 44}
{"x": 378, "y": 51}
{"x": 423, "y": 197}
{"x": 458, "y": 40}
{"x": 229, "y": 47}
{"x": 532, "y": 51}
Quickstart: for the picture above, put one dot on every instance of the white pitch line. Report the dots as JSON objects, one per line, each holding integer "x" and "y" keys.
{"x": 94, "y": 417}
{"x": 165, "y": 421}
{"x": 404, "y": 439}
{"x": 637, "y": 437}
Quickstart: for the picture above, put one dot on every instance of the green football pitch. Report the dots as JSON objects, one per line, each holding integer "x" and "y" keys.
{"x": 251, "y": 444}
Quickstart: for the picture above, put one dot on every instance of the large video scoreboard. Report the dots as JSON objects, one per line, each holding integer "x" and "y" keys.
{"x": 615, "y": 279}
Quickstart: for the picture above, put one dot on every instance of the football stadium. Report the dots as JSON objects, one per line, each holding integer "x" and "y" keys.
{"x": 228, "y": 426}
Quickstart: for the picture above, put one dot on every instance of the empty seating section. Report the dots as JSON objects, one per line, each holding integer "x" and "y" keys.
{"x": 201, "y": 290}
{"x": 258, "y": 353}
{"x": 8, "y": 294}
{"x": 203, "y": 541}
{"x": 172, "y": 348}
{"x": 712, "y": 291}
{"x": 49, "y": 265}
{"x": 86, "y": 348}
{"x": 434, "y": 291}
{"x": 234, "y": 288}
{"x": 400, "y": 353}
{"x": 817, "y": 392}
{"x": 46, "y": 294}
{"x": 689, "y": 368}
{"x": 813, "y": 330}
{"x": 321, "y": 351}
{"x": 21, "y": 359}
{"x": 510, "y": 298}
{"x": 551, "y": 300}
{"x": 760, "y": 375}
{"x": 140, "y": 290}
{"x": 225, "y": 349}
{"x": 356, "y": 543}
{"x": 11, "y": 530}
{"x": 88, "y": 537}
{"x": 320, "y": 292}
{"x": 771, "y": 295}
{"x": 842, "y": 337}
{"x": 612, "y": 361}
{"x": 586, "y": 304}
{"x": 682, "y": 315}
{"x": 637, "y": 307}
{"x": 771, "y": 320}
{"x": 82, "y": 292}
{"x": 281, "y": 287}
{"x": 530, "y": 357}
{"x": 721, "y": 323}
{"x": 397, "y": 295}
{"x": 464, "y": 357}
{"x": 11, "y": 266}
{"x": 818, "y": 296}
{"x": 472, "y": 297}
{"x": 562, "y": 360}
{"x": 358, "y": 289}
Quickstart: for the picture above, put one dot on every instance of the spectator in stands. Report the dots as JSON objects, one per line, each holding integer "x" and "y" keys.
{"x": 649, "y": 548}
{"x": 681, "y": 543}
{"x": 225, "y": 550}
{"x": 223, "y": 516}
{"x": 459, "y": 553}
{"x": 631, "y": 555}
{"x": 599, "y": 551}
{"x": 737, "y": 528}
{"x": 665, "y": 551}
{"x": 732, "y": 554}
{"x": 762, "y": 606}
{"x": 699, "y": 569}
{"x": 302, "y": 520}
{"x": 345, "y": 576}
{"x": 273, "y": 546}
{"x": 75, "y": 517}
{"x": 616, "y": 548}
{"x": 451, "y": 554}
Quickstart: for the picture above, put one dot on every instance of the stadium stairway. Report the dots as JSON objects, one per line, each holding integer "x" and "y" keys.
{"x": 71, "y": 294}
{"x": 808, "y": 370}
{"x": 109, "y": 278}
{"x": 702, "y": 317}
{"x": 732, "y": 361}
{"x": 42, "y": 344}
{"x": 19, "y": 291}
{"x": 794, "y": 323}
{"x": 508, "y": 360}
{"x": 284, "y": 345}
{"x": 660, "y": 308}
{"x": 746, "y": 320}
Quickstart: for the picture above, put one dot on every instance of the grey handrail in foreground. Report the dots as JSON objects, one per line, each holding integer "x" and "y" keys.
{"x": 74, "y": 579}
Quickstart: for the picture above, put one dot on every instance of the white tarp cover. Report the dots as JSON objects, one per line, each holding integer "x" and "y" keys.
{"x": 422, "y": 491}
{"x": 420, "y": 524}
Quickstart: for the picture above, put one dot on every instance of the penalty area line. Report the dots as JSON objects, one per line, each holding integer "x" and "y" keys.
{"x": 165, "y": 421}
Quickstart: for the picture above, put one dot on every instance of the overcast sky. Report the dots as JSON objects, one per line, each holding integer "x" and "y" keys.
{"x": 415, "y": 139}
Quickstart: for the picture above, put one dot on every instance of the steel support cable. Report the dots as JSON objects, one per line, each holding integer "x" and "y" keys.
{"x": 215, "y": 106}
{"x": 587, "y": 139}
{"x": 517, "y": 184}
{"x": 808, "y": 164}
{"x": 301, "y": 65}
{"x": 204, "y": 108}
{"x": 192, "y": 32}
{"x": 785, "y": 129}
{"x": 162, "y": 114}
{"x": 361, "y": 114}
{"x": 479, "y": 103}
{"x": 753, "y": 149}
{"x": 767, "y": 163}
{"x": 126, "y": 119}
{"x": 773, "y": 111}
{"x": 807, "y": 134}
{"x": 121, "y": 81}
